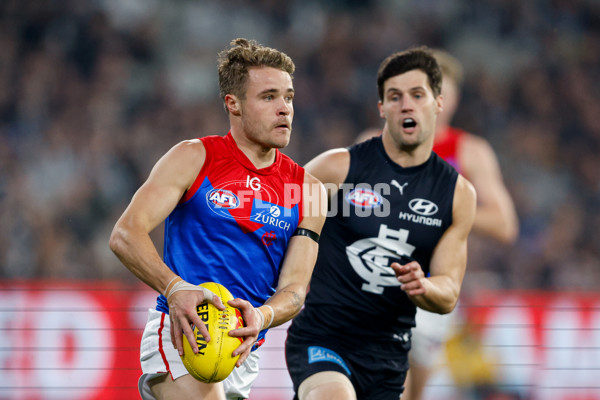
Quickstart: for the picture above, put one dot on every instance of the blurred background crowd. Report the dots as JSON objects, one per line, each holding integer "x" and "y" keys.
{"x": 93, "y": 92}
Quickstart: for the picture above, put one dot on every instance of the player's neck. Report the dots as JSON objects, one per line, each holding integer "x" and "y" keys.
{"x": 407, "y": 156}
{"x": 259, "y": 155}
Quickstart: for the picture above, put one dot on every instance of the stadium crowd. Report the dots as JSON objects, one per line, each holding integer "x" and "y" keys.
{"x": 93, "y": 92}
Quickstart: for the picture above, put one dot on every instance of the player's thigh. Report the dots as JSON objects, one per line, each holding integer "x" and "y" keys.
{"x": 326, "y": 385}
{"x": 184, "y": 388}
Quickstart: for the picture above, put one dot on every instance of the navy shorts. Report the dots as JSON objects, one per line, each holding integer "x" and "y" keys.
{"x": 377, "y": 370}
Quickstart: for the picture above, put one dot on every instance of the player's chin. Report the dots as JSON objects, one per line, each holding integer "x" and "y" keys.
{"x": 281, "y": 137}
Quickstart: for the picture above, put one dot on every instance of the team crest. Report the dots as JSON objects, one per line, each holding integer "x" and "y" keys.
{"x": 363, "y": 197}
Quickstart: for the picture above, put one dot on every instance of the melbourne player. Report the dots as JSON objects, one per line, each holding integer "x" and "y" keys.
{"x": 397, "y": 241}
{"x": 237, "y": 212}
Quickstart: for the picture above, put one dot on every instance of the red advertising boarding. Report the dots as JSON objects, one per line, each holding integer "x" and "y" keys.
{"x": 80, "y": 341}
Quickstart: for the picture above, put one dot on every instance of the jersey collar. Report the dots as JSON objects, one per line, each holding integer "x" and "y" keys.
{"x": 245, "y": 161}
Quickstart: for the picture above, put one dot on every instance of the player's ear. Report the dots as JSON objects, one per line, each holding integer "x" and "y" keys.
{"x": 380, "y": 107}
{"x": 233, "y": 104}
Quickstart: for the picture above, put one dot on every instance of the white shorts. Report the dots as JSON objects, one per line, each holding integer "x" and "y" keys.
{"x": 429, "y": 336}
{"x": 158, "y": 357}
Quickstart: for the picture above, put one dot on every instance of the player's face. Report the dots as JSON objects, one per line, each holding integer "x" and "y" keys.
{"x": 409, "y": 108}
{"x": 267, "y": 111}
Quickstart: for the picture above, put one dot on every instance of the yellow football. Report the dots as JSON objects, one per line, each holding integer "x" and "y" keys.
{"x": 214, "y": 361}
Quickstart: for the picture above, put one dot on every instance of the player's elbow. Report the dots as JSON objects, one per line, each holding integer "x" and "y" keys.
{"x": 117, "y": 241}
{"x": 509, "y": 234}
{"x": 448, "y": 308}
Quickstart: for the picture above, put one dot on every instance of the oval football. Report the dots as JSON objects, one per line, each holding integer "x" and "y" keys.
{"x": 214, "y": 362}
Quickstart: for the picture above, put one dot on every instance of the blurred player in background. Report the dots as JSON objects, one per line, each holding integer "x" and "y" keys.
{"x": 396, "y": 238}
{"x": 473, "y": 157}
{"x": 237, "y": 214}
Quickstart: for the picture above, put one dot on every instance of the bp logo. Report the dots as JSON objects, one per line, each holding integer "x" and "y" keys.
{"x": 365, "y": 198}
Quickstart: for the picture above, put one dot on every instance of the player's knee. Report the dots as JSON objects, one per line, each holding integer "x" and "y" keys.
{"x": 326, "y": 385}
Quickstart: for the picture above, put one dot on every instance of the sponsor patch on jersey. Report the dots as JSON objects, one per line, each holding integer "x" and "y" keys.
{"x": 222, "y": 199}
{"x": 322, "y": 354}
{"x": 363, "y": 197}
{"x": 423, "y": 207}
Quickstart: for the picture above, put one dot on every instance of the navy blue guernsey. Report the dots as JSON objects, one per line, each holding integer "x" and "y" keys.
{"x": 382, "y": 213}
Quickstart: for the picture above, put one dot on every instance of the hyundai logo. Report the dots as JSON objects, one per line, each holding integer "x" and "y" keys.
{"x": 423, "y": 207}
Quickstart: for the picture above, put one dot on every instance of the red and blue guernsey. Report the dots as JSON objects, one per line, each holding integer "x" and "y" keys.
{"x": 448, "y": 146}
{"x": 234, "y": 223}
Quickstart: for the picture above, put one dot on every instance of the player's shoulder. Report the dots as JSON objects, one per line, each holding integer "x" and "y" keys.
{"x": 465, "y": 193}
{"x": 186, "y": 152}
{"x": 330, "y": 159}
{"x": 189, "y": 146}
{"x": 330, "y": 166}
{"x": 475, "y": 153}
{"x": 472, "y": 143}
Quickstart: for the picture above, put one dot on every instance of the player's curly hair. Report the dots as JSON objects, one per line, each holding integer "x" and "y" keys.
{"x": 414, "y": 58}
{"x": 243, "y": 54}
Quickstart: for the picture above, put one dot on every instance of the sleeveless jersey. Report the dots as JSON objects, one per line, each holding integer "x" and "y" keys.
{"x": 384, "y": 213}
{"x": 234, "y": 223}
{"x": 449, "y": 145}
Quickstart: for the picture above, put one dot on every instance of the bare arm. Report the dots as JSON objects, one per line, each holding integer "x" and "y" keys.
{"x": 439, "y": 293}
{"x": 496, "y": 216}
{"x": 331, "y": 168}
{"x": 130, "y": 240}
{"x": 298, "y": 264}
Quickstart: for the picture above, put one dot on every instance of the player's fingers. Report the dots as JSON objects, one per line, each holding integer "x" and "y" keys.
{"x": 199, "y": 324}
{"x": 244, "y": 332}
{"x": 244, "y": 349}
{"x": 172, "y": 331}
{"x": 415, "y": 292}
{"x": 242, "y": 358}
{"x": 413, "y": 288}
{"x": 247, "y": 310}
{"x": 400, "y": 269}
{"x": 191, "y": 338}
{"x": 176, "y": 336}
{"x": 216, "y": 301}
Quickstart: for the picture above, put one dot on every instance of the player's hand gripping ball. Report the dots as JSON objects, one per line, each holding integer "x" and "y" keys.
{"x": 214, "y": 361}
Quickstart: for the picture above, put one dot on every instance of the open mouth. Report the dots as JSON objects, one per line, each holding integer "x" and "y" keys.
{"x": 283, "y": 125}
{"x": 409, "y": 123}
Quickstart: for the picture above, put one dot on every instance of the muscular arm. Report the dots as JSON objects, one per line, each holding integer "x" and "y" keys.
{"x": 296, "y": 270}
{"x": 439, "y": 293}
{"x": 496, "y": 216}
{"x": 331, "y": 168}
{"x": 130, "y": 240}
{"x": 172, "y": 175}
{"x": 300, "y": 256}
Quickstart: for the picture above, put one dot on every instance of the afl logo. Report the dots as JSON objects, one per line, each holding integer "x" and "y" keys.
{"x": 362, "y": 197}
{"x": 220, "y": 198}
{"x": 423, "y": 207}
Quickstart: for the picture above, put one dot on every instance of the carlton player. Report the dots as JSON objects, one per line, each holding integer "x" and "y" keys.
{"x": 496, "y": 218}
{"x": 374, "y": 268}
{"x": 237, "y": 212}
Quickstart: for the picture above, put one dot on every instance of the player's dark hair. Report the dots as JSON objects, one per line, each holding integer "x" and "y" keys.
{"x": 243, "y": 54}
{"x": 414, "y": 58}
